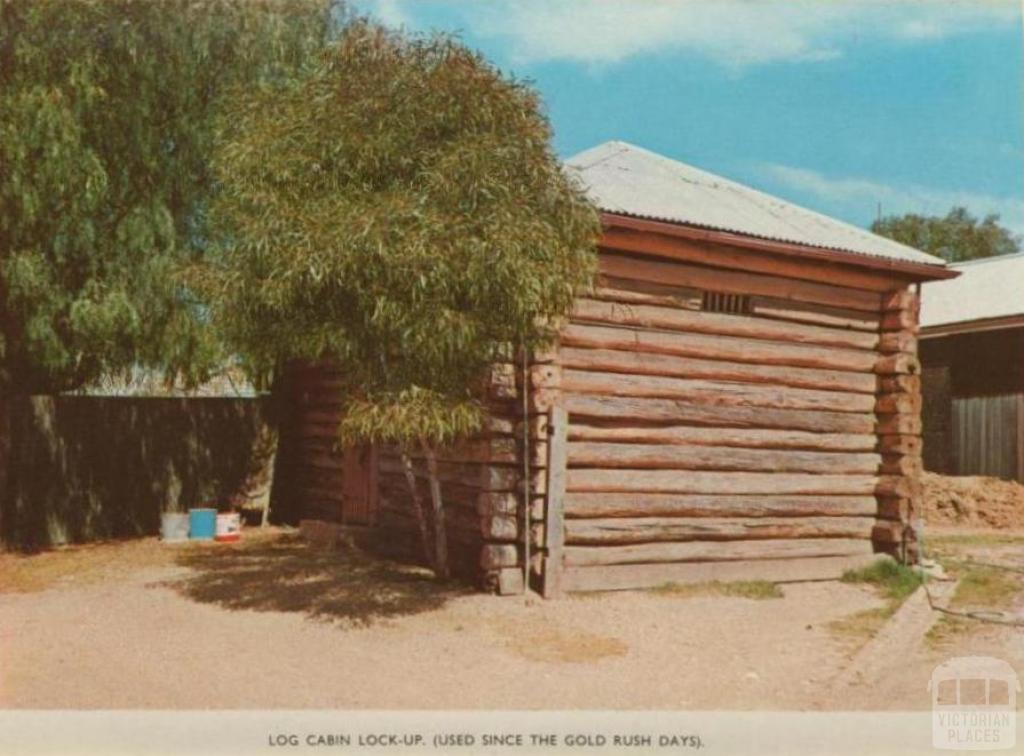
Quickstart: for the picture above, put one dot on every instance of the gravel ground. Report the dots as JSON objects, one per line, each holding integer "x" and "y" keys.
{"x": 273, "y": 624}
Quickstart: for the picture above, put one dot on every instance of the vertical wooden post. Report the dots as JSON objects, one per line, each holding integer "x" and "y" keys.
{"x": 554, "y": 516}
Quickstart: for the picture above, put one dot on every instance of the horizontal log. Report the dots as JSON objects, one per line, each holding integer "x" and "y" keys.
{"x": 728, "y": 257}
{"x": 898, "y": 424}
{"x": 732, "y": 437}
{"x": 799, "y": 312}
{"x": 499, "y": 528}
{"x": 620, "y": 530}
{"x": 676, "y": 457}
{"x": 898, "y": 364}
{"x": 648, "y": 363}
{"x": 495, "y": 556}
{"x": 545, "y": 376}
{"x": 399, "y": 513}
{"x": 486, "y": 477}
{"x": 497, "y": 503}
{"x": 632, "y": 576}
{"x": 613, "y": 289}
{"x": 327, "y": 452}
{"x": 462, "y": 494}
{"x": 458, "y": 528}
{"x": 736, "y": 282}
{"x": 656, "y": 316}
{"x": 887, "y": 532}
{"x": 899, "y": 320}
{"x": 901, "y": 299}
{"x": 453, "y": 497}
{"x": 716, "y": 551}
{"x": 894, "y": 508}
{"x": 510, "y": 581}
{"x": 325, "y": 478}
{"x": 900, "y": 464}
{"x": 309, "y": 491}
{"x": 698, "y": 482}
{"x": 900, "y": 444}
{"x": 580, "y": 505}
{"x": 889, "y": 404}
{"x": 899, "y": 384}
{"x": 726, "y": 348}
{"x": 897, "y": 341}
{"x": 679, "y": 412}
{"x": 723, "y": 393}
{"x": 899, "y": 486}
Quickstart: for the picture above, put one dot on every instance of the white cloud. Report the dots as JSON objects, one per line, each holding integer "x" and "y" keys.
{"x": 860, "y": 196}
{"x": 733, "y": 33}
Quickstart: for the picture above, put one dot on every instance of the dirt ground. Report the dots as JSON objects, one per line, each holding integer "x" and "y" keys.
{"x": 272, "y": 623}
{"x": 973, "y": 501}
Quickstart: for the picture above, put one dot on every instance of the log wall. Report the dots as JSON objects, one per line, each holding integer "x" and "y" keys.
{"x": 480, "y": 481}
{"x": 780, "y": 444}
{"x": 670, "y": 443}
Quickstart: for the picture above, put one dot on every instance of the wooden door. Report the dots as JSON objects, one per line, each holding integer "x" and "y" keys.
{"x": 359, "y": 485}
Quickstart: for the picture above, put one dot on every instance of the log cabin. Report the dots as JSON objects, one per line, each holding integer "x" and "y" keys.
{"x": 972, "y": 356}
{"x": 737, "y": 397}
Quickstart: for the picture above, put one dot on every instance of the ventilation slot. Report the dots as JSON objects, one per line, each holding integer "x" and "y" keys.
{"x": 732, "y": 304}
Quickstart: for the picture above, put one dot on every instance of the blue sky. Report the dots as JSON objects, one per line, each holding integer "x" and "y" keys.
{"x": 833, "y": 104}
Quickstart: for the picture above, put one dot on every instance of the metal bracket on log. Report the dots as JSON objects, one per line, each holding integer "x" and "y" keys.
{"x": 554, "y": 515}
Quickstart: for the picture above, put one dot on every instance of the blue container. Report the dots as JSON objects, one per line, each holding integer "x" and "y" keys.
{"x": 202, "y": 524}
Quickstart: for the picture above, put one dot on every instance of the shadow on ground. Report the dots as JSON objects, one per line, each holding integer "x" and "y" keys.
{"x": 284, "y": 574}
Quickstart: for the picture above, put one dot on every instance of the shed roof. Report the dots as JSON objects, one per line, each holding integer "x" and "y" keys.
{"x": 628, "y": 180}
{"x": 986, "y": 290}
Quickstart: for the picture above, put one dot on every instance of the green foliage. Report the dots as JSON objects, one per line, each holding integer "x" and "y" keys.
{"x": 957, "y": 236}
{"x": 107, "y": 114}
{"x": 895, "y": 580}
{"x": 399, "y": 211}
{"x": 407, "y": 415}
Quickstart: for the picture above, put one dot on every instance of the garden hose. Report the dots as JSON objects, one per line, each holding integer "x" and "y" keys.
{"x": 990, "y": 616}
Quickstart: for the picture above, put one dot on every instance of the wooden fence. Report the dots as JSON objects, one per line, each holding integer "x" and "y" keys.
{"x": 83, "y": 468}
{"x": 988, "y": 436}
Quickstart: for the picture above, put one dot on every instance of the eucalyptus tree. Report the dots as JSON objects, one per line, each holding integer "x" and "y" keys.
{"x": 107, "y": 112}
{"x": 955, "y": 237}
{"x": 106, "y": 122}
{"x": 399, "y": 212}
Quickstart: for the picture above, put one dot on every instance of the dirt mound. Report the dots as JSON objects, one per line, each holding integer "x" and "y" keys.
{"x": 973, "y": 500}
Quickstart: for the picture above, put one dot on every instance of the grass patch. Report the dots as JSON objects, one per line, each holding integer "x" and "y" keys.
{"x": 946, "y": 629}
{"x": 981, "y": 587}
{"x": 758, "y": 590}
{"x": 894, "y": 581}
{"x": 862, "y": 626}
{"x": 957, "y": 541}
{"x": 985, "y": 587}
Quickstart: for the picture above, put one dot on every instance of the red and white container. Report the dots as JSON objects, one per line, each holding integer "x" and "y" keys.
{"x": 229, "y": 527}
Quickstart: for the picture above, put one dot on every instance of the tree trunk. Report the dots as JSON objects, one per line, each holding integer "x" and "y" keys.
{"x": 417, "y": 506}
{"x": 440, "y": 539}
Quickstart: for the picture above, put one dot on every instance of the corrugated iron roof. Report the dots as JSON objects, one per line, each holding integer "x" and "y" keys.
{"x": 992, "y": 287}
{"x": 629, "y": 180}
